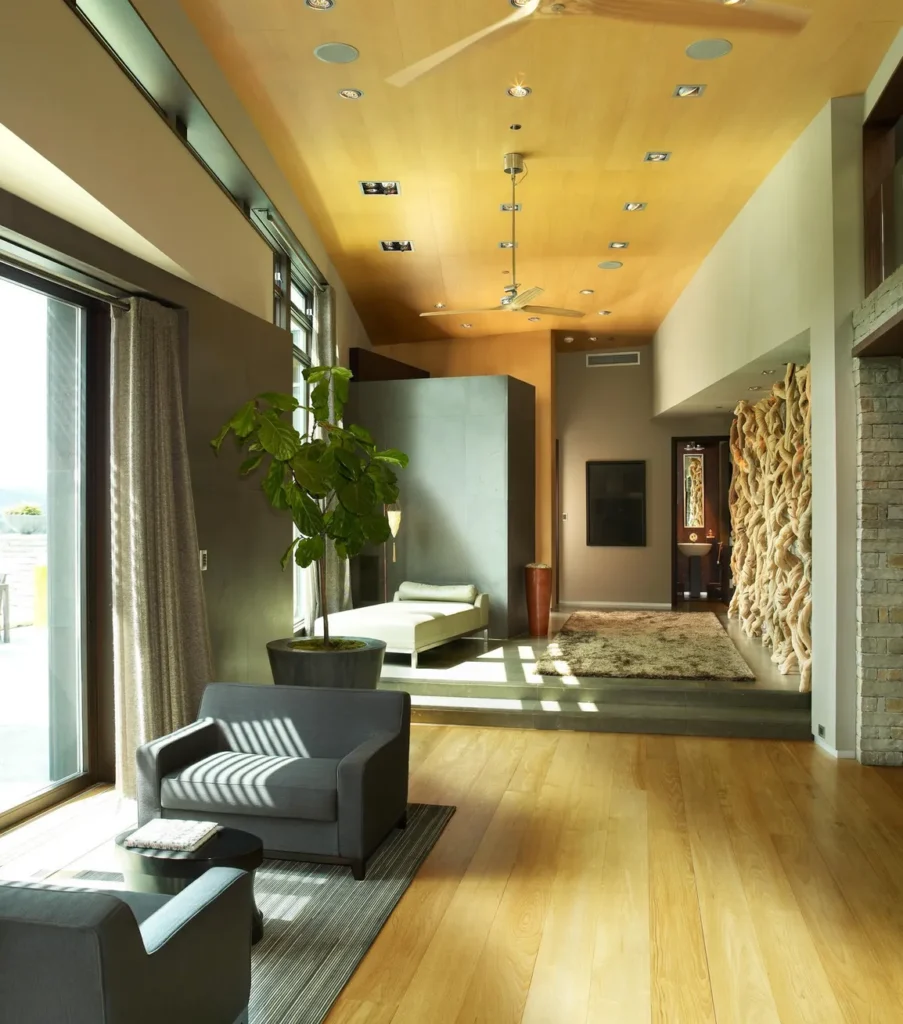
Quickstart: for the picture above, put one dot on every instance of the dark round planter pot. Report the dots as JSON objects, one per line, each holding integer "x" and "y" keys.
{"x": 343, "y": 670}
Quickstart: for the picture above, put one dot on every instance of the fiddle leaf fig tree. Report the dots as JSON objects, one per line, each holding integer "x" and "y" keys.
{"x": 333, "y": 480}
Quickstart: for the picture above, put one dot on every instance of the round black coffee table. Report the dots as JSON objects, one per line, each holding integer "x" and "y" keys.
{"x": 171, "y": 871}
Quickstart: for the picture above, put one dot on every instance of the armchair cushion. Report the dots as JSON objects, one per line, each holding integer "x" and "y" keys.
{"x": 255, "y": 784}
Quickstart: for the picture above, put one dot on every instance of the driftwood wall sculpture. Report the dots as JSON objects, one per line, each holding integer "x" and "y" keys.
{"x": 771, "y": 518}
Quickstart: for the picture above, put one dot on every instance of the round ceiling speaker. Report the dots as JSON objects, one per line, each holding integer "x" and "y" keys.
{"x": 336, "y": 53}
{"x": 709, "y": 49}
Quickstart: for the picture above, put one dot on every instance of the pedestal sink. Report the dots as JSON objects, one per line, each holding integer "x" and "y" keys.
{"x": 694, "y": 550}
{"x": 695, "y": 553}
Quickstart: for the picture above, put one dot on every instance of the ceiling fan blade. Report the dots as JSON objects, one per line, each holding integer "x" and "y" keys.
{"x": 408, "y": 75}
{"x": 519, "y": 301}
{"x": 550, "y": 311}
{"x": 465, "y": 312}
{"x": 756, "y": 15}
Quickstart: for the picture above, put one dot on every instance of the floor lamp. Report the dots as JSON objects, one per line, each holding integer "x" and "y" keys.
{"x": 393, "y": 514}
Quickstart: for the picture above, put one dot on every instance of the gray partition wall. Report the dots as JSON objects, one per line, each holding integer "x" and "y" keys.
{"x": 468, "y": 495}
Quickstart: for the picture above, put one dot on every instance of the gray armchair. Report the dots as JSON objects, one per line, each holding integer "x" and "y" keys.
{"x": 317, "y": 774}
{"x": 70, "y": 956}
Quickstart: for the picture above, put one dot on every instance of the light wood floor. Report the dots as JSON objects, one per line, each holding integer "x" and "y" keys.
{"x": 616, "y": 879}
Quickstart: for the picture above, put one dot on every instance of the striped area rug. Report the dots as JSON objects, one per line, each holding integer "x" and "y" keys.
{"x": 319, "y": 922}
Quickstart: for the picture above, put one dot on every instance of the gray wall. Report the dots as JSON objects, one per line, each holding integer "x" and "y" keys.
{"x": 467, "y": 496}
{"x": 606, "y": 413}
{"x": 229, "y": 355}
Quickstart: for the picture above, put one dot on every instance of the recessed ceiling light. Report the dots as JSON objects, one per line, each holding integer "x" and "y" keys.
{"x": 657, "y": 156}
{"x": 611, "y": 265}
{"x": 593, "y": 338}
{"x": 438, "y": 305}
{"x": 515, "y": 127}
{"x": 467, "y": 325}
{"x": 604, "y": 312}
{"x": 399, "y": 246}
{"x": 336, "y": 53}
{"x": 350, "y": 94}
{"x": 321, "y": 5}
{"x": 568, "y": 340}
{"x": 634, "y": 207}
{"x": 519, "y": 92}
{"x": 689, "y": 92}
{"x": 768, "y": 373}
{"x": 756, "y": 387}
{"x": 709, "y": 49}
{"x": 587, "y": 291}
{"x": 533, "y": 319}
{"x": 380, "y": 188}
{"x": 507, "y": 245}
{"x": 510, "y": 207}
{"x": 618, "y": 245}
{"x": 519, "y": 3}
{"x": 733, "y": 3}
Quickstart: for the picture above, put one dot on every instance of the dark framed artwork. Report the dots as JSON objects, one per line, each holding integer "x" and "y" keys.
{"x": 616, "y": 504}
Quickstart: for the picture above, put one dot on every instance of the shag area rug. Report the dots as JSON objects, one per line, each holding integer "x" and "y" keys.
{"x": 644, "y": 645}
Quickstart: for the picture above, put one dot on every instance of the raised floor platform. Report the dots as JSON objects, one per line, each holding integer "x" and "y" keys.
{"x": 469, "y": 682}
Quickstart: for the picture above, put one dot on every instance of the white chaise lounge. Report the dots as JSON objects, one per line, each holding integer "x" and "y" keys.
{"x": 421, "y": 617}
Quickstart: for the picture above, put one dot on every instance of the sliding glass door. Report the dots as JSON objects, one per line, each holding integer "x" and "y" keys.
{"x": 42, "y": 543}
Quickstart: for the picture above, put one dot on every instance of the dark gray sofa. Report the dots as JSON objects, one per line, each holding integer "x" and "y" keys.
{"x": 81, "y": 956}
{"x": 317, "y": 774}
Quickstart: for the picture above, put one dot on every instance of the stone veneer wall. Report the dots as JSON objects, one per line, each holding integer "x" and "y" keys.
{"x": 879, "y": 643}
{"x": 883, "y": 303}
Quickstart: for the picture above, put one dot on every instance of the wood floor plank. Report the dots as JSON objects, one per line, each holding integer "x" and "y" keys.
{"x": 740, "y": 986}
{"x": 681, "y": 987}
{"x": 498, "y": 990}
{"x": 620, "y": 989}
{"x": 800, "y": 985}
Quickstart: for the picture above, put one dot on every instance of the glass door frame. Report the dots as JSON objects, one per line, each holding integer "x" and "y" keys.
{"x": 97, "y": 651}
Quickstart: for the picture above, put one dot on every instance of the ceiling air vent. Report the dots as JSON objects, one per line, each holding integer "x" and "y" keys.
{"x": 613, "y": 359}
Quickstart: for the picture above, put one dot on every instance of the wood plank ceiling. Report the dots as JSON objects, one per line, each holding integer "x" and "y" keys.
{"x": 602, "y": 97}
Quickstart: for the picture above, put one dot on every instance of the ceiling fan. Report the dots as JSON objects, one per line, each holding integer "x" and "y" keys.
{"x": 755, "y": 15}
{"x": 513, "y": 301}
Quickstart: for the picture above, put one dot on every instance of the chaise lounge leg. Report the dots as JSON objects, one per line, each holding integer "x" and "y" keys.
{"x": 358, "y": 870}
{"x": 413, "y": 659}
{"x": 403, "y": 821}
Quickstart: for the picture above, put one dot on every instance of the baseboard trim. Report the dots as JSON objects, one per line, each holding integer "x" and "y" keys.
{"x": 627, "y": 606}
{"x": 841, "y": 755}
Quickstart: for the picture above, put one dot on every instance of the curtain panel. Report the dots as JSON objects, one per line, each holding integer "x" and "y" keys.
{"x": 161, "y": 645}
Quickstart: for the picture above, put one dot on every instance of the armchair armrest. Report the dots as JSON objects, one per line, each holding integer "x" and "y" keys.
{"x": 168, "y": 754}
{"x": 372, "y": 792}
{"x": 199, "y": 948}
{"x": 482, "y": 606}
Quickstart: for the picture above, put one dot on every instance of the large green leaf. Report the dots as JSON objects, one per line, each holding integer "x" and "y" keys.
{"x": 274, "y": 485}
{"x": 376, "y": 528}
{"x": 289, "y": 551}
{"x": 216, "y": 443}
{"x": 341, "y": 372}
{"x": 310, "y": 549}
{"x": 351, "y": 463}
{"x": 358, "y": 496}
{"x": 285, "y": 403}
{"x": 362, "y": 435}
{"x": 343, "y": 524}
{"x": 245, "y": 420}
{"x": 312, "y": 374}
{"x": 306, "y": 513}
{"x": 340, "y": 391}
{"x": 277, "y": 436}
{"x": 319, "y": 399}
{"x": 249, "y": 465}
{"x": 312, "y": 476}
{"x": 392, "y": 455}
{"x": 384, "y": 481}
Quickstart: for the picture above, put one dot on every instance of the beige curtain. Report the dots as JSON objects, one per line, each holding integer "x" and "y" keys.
{"x": 338, "y": 579}
{"x": 161, "y": 647}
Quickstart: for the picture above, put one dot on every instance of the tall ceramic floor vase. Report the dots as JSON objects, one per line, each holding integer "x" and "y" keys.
{"x": 539, "y": 597}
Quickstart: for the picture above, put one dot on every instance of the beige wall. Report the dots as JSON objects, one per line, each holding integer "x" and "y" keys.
{"x": 528, "y": 357}
{"x": 791, "y": 264}
{"x": 607, "y": 414}
{"x": 180, "y": 39}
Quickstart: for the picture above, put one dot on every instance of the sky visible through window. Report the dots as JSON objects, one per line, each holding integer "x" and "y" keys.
{"x": 23, "y": 395}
